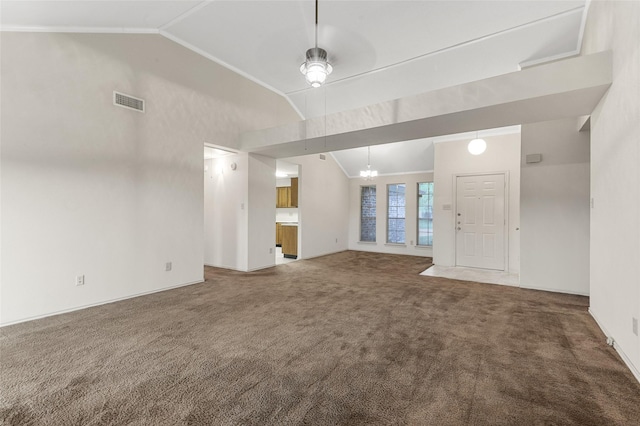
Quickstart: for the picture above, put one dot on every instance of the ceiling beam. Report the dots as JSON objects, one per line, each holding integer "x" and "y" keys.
{"x": 562, "y": 89}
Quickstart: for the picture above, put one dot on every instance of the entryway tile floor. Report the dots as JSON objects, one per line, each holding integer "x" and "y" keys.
{"x": 473, "y": 274}
{"x": 280, "y": 259}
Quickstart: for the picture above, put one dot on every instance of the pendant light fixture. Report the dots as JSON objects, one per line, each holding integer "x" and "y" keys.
{"x": 368, "y": 174}
{"x": 316, "y": 68}
{"x": 477, "y": 146}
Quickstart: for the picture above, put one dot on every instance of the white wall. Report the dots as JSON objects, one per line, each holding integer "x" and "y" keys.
{"x": 225, "y": 212}
{"x": 286, "y": 214}
{"x": 502, "y": 155}
{"x": 90, "y": 188}
{"x": 615, "y": 177}
{"x": 240, "y": 211}
{"x": 262, "y": 210}
{"x": 411, "y": 221}
{"x": 554, "y": 208}
{"x": 283, "y": 181}
{"x": 323, "y": 206}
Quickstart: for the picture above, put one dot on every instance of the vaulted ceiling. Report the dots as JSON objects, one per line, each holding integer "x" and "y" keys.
{"x": 380, "y": 50}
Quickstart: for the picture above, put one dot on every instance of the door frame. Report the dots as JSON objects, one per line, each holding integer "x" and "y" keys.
{"x": 506, "y": 213}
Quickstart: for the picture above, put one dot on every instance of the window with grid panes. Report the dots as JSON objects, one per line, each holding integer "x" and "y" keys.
{"x": 368, "y": 213}
{"x": 396, "y": 214}
{"x": 425, "y": 214}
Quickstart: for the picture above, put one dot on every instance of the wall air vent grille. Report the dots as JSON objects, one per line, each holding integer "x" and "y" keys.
{"x": 126, "y": 101}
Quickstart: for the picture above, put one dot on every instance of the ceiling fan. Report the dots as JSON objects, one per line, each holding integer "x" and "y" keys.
{"x": 316, "y": 68}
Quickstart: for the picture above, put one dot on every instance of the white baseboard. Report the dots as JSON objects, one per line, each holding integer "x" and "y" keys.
{"x": 617, "y": 347}
{"x": 259, "y": 268}
{"x": 323, "y": 254}
{"x": 408, "y": 250}
{"x": 230, "y": 268}
{"x": 554, "y": 290}
{"x": 77, "y": 308}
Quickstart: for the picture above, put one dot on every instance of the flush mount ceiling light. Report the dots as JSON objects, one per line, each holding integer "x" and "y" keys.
{"x": 316, "y": 68}
{"x": 477, "y": 146}
{"x": 368, "y": 174}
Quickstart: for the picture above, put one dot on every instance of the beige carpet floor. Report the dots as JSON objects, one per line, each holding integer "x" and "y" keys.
{"x": 347, "y": 339}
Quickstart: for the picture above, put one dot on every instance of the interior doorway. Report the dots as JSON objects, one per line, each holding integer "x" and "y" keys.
{"x": 480, "y": 221}
{"x": 287, "y": 220}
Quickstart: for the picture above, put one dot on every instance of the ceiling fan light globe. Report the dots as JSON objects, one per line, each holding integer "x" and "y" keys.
{"x": 316, "y": 68}
{"x": 316, "y": 73}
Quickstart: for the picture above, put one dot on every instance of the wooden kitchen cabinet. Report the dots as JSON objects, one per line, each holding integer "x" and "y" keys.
{"x": 287, "y": 196}
{"x": 278, "y": 234}
{"x": 283, "y": 196}
{"x": 293, "y": 198}
{"x": 290, "y": 241}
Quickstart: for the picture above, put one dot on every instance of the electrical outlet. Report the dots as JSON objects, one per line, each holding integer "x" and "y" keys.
{"x": 336, "y": 241}
{"x": 79, "y": 280}
{"x": 167, "y": 266}
{"x": 271, "y": 250}
{"x": 411, "y": 242}
{"x": 634, "y": 326}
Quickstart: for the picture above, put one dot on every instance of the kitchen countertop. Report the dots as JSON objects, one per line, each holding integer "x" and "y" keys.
{"x": 289, "y": 223}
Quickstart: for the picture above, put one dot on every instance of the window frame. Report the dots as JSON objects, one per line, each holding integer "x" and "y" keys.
{"x": 375, "y": 216}
{"x": 404, "y": 238}
{"x": 418, "y": 214}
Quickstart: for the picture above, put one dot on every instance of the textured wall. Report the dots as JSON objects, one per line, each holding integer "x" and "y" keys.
{"x": 554, "y": 208}
{"x": 323, "y": 206}
{"x": 615, "y": 177}
{"x": 97, "y": 190}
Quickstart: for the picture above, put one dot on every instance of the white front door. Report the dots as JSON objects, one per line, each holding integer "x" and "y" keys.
{"x": 480, "y": 221}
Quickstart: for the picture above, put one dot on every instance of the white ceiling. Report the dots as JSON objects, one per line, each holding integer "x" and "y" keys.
{"x": 380, "y": 50}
